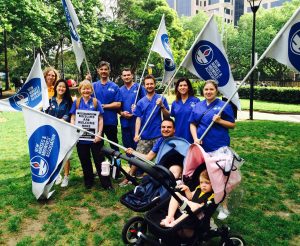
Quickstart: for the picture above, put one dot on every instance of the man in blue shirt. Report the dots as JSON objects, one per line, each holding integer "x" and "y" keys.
{"x": 144, "y": 108}
{"x": 129, "y": 94}
{"x": 108, "y": 93}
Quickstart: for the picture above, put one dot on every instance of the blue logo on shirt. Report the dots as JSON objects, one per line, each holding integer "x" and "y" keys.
{"x": 44, "y": 146}
{"x": 294, "y": 46}
{"x": 30, "y": 95}
{"x": 210, "y": 63}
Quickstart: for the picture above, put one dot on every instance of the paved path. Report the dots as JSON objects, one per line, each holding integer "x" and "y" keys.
{"x": 244, "y": 115}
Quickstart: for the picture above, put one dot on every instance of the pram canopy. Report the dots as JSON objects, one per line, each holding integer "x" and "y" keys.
{"x": 172, "y": 151}
{"x": 222, "y": 182}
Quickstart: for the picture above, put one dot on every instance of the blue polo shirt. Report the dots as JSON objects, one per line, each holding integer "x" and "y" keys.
{"x": 87, "y": 106}
{"x": 202, "y": 115}
{"x": 106, "y": 94}
{"x": 60, "y": 111}
{"x": 181, "y": 112}
{"x": 128, "y": 98}
{"x": 157, "y": 145}
{"x": 143, "y": 110}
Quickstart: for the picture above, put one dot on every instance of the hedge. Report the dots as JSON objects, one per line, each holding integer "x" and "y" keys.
{"x": 272, "y": 94}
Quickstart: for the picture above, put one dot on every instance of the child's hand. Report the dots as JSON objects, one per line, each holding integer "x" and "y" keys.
{"x": 183, "y": 187}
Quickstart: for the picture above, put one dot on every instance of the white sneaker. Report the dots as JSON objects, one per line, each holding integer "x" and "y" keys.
{"x": 65, "y": 181}
{"x": 223, "y": 214}
{"x": 58, "y": 180}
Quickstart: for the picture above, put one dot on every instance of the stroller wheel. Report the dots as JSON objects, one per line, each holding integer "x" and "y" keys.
{"x": 233, "y": 240}
{"x": 131, "y": 229}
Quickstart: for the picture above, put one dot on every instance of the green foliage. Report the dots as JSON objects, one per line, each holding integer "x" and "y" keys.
{"x": 272, "y": 94}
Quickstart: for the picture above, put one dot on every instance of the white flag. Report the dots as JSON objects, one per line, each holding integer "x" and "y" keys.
{"x": 50, "y": 143}
{"x": 161, "y": 45}
{"x": 73, "y": 22}
{"x": 207, "y": 60}
{"x": 34, "y": 92}
{"x": 286, "y": 48}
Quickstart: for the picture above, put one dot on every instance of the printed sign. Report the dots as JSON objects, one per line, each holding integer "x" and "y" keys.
{"x": 88, "y": 120}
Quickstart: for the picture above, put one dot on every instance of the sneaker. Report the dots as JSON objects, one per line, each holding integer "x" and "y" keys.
{"x": 58, "y": 180}
{"x": 125, "y": 182}
{"x": 65, "y": 181}
{"x": 223, "y": 214}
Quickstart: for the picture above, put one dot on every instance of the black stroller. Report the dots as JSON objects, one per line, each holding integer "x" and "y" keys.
{"x": 151, "y": 192}
{"x": 147, "y": 230}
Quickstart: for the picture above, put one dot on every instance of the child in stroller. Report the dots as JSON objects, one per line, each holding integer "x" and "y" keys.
{"x": 203, "y": 194}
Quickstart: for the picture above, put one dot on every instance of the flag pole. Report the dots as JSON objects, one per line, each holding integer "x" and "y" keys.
{"x": 253, "y": 68}
{"x": 170, "y": 81}
{"x": 141, "y": 78}
{"x": 137, "y": 154}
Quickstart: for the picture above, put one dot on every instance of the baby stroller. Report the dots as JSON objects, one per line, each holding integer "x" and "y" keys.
{"x": 150, "y": 192}
{"x": 147, "y": 230}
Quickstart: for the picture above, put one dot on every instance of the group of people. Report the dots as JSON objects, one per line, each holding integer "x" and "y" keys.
{"x": 134, "y": 104}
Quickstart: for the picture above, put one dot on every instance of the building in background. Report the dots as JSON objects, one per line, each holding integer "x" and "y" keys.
{"x": 266, "y": 4}
{"x": 229, "y": 10}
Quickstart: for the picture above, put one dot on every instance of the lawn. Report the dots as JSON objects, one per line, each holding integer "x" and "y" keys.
{"x": 265, "y": 208}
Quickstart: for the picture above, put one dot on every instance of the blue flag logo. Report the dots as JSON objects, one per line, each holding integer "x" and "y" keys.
{"x": 44, "y": 146}
{"x": 73, "y": 31}
{"x": 30, "y": 95}
{"x": 294, "y": 46}
{"x": 210, "y": 62}
{"x": 166, "y": 44}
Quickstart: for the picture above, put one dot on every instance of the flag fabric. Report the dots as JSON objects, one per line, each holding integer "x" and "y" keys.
{"x": 34, "y": 92}
{"x": 73, "y": 23}
{"x": 161, "y": 45}
{"x": 286, "y": 49}
{"x": 50, "y": 143}
{"x": 207, "y": 60}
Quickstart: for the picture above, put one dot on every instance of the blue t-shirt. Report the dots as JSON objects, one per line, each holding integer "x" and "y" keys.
{"x": 181, "y": 112}
{"x": 157, "y": 144}
{"x": 87, "y": 106}
{"x": 202, "y": 115}
{"x": 143, "y": 110}
{"x": 128, "y": 98}
{"x": 60, "y": 111}
{"x": 106, "y": 94}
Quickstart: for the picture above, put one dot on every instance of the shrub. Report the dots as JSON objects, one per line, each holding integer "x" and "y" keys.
{"x": 272, "y": 94}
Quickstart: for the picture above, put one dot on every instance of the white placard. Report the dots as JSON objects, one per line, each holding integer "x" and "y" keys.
{"x": 88, "y": 120}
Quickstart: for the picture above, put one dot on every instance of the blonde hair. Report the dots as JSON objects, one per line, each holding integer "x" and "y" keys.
{"x": 49, "y": 69}
{"x": 204, "y": 175}
{"x": 85, "y": 83}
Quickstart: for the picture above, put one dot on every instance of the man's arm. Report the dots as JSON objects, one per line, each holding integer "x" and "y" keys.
{"x": 137, "y": 129}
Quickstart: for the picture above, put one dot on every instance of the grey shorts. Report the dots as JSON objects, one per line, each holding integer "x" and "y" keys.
{"x": 144, "y": 146}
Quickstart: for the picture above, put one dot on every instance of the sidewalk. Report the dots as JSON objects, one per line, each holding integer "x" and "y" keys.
{"x": 244, "y": 115}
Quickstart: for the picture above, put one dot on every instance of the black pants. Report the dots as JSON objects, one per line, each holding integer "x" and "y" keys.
{"x": 84, "y": 154}
{"x": 111, "y": 132}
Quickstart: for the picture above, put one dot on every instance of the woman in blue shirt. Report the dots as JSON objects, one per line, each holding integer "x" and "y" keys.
{"x": 59, "y": 107}
{"x": 88, "y": 148}
{"x": 217, "y": 139}
{"x": 182, "y": 108}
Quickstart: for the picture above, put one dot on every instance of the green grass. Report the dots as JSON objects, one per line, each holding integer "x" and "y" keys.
{"x": 262, "y": 106}
{"x": 264, "y": 209}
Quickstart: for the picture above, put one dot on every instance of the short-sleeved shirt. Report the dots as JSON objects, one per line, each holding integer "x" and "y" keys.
{"x": 181, "y": 112}
{"x": 128, "y": 98}
{"x": 60, "y": 111}
{"x": 87, "y": 106}
{"x": 143, "y": 110}
{"x": 202, "y": 115}
{"x": 106, "y": 94}
{"x": 157, "y": 145}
